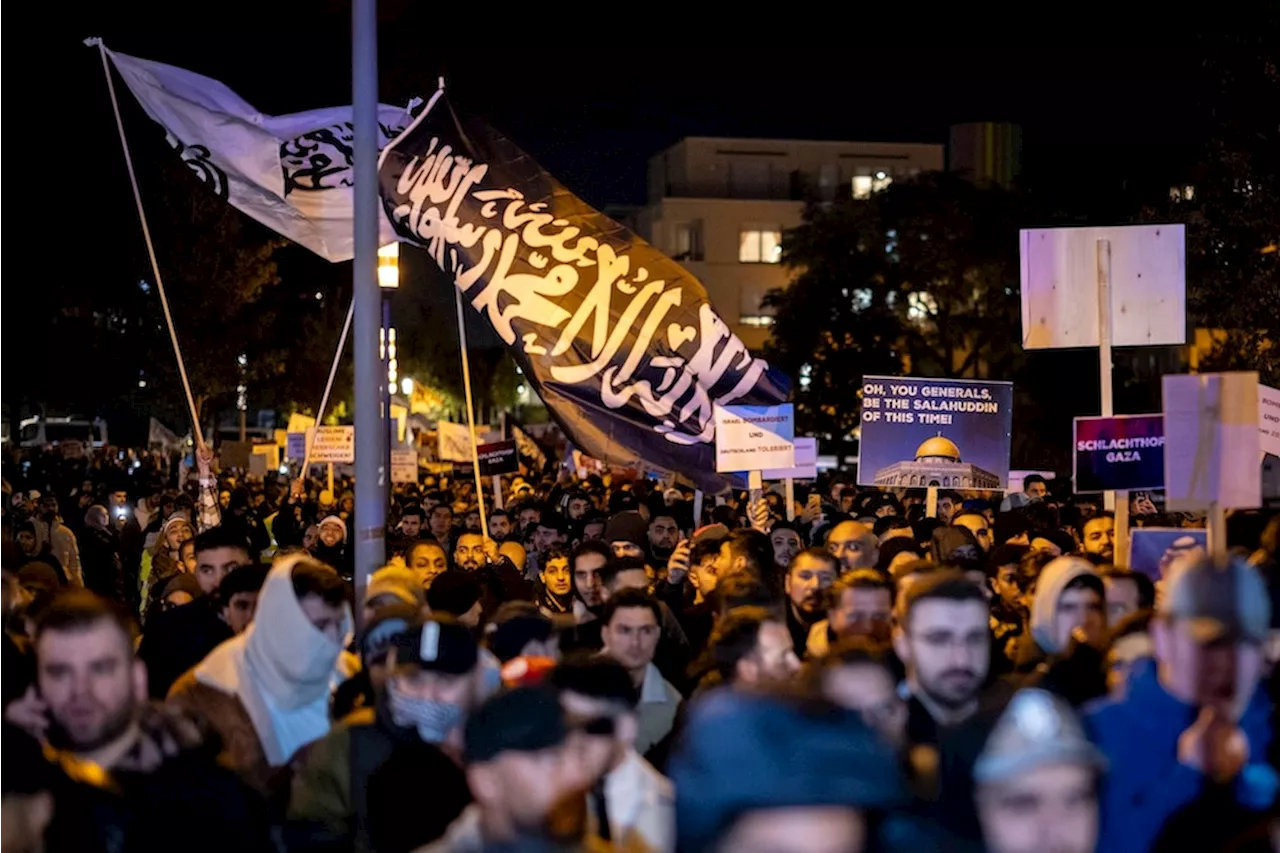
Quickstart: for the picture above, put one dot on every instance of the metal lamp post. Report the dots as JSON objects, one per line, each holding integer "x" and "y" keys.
{"x": 388, "y": 281}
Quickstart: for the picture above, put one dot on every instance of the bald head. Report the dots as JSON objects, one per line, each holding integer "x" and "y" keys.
{"x": 854, "y": 545}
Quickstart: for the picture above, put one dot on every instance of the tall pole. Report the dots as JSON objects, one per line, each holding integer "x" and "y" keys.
{"x": 371, "y": 452}
{"x": 387, "y": 390}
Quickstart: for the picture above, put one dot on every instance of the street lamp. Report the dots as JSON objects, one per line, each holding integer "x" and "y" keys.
{"x": 388, "y": 281}
{"x": 406, "y": 386}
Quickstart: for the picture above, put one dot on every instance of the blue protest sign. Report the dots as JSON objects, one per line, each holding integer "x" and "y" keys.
{"x": 1121, "y": 452}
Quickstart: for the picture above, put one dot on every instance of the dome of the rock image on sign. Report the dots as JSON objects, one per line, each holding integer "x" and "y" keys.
{"x": 937, "y": 462}
{"x": 938, "y": 449}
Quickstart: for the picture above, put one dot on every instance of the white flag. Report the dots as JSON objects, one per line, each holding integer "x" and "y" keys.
{"x": 158, "y": 433}
{"x": 292, "y": 172}
{"x": 454, "y": 442}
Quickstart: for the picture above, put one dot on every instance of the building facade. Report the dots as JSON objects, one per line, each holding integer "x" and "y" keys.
{"x": 937, "y": 462}
{"x": 719, "y": 207}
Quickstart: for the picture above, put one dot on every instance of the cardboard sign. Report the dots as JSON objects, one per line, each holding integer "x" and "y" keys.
{"x": 497, "y": 458}
{"x": 235, "y": 454}
{"x": 1153, "y": 549}
{"x": 1121, "y": 452}
{"x": 333, "y": 444}
{"x": 1148, "y": 285}
{"x": 1211, "y": 441}
{"x": 806, "y": 467}
{"x": 949, "y": 433}
{"x": 404, "y": 466}
{"x": 1269, "y": 420}
{"x": 755, "y": 438}
{"x": 300, "y": 423}
{"x": 296, "y": 446}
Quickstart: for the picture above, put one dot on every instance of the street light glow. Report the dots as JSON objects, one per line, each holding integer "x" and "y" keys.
{"x": 389, "y": 266}
{"x": 406, "y": 386}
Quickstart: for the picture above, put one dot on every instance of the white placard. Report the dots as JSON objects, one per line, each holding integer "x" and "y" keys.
{"x": 454, "y": 442}
{"x": 1211, "y": 441}
{"x": 336, "y": 444}
{"x": 404, "y": 466}
{"x": 1269, "y": 420}
{"x": 806, "y": 467}
{"x": 1060, "y": 286}
{"x": 755, "y": 438}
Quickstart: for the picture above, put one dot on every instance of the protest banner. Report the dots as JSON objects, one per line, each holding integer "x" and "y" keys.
{"x": 1269, "y": 420}
{"x": 754, "y": 438}
{"x": 455, "y": 442}
{"x": 404, "y": 466}
{"x": 940, "y": 433}
{"x": 295, "y": 446}
{"x": 1122, "y": 452}
{"x": 498, "y": 458}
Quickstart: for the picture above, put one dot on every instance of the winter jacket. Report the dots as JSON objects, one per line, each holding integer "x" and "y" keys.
{"x": 1146, "y": 785}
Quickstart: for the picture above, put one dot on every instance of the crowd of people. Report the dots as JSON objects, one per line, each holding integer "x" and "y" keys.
{"x": 604, "y": 670}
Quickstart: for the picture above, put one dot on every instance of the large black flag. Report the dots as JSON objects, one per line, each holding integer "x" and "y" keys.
{"x": 619, "y": 341}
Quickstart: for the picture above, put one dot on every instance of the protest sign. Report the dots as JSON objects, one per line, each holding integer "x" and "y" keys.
{"x": 1211, "y": 441}
{"x": 1153, "y": 549}
{"x": 806, "y": 467}
{"x": 1121, "y": 452}
{"x": 454, "y": 442}
{"x": 295, "y": 446}
{"x": 1145, "y": 272}
{"x": 947, "y": 433}
{"x": 333, "y": 444}
{"x": 753, "y": 438}
{"x": 1269, "y": 420}
{"x": 498, "y": 458}
{"x": 404, "y": 466}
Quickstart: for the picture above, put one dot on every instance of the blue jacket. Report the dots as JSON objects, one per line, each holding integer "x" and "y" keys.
{"x": 1145, "y": 785}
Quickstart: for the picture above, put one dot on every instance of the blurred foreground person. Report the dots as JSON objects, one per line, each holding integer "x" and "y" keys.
{"x": 774, "y": 774}
{"x": 1036, "y": 779}
{"x": 1191, "y": 733}
{"x": 154, "y": 772}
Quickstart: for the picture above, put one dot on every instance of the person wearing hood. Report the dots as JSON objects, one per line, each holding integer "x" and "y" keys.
{"x": 1068, "y": 622}
{"x": 362, "y": 782}
{"x": 163, "y": 559}
{"x": 100, "y": 555}
{"x": 267, "y": 690}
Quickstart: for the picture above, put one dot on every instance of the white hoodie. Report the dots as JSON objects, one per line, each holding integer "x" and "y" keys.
{"x": 281, "y": 668}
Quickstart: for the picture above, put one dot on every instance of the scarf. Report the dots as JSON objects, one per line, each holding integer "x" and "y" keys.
{"x": 281, "y": 668}
{"x": 431, "y": 719}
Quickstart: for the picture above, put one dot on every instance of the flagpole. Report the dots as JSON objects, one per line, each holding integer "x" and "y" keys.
{"x": 371, "y": 436}
{"x": 146, "y": 236}
{"x": 471, "y": 418}
{"x": 328, "y": 387}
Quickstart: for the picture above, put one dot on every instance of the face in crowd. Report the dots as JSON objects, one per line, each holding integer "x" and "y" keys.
{"x": 587, "y": 582}
{"x": 330, "y": 534}
{"x": 854, "y": 545}
{"x": 664, "y": 534}
{"x": 631, "y": 637}
{"x": 807, "y": 583}
{"x": 214, "y": 564}
{"x": 786, "y": 544}
{"x": 946, "y": 646}
{"x": 440, "y": 522}
{"x": 978, "y": 526}
{"x": 470, "y": 552}
{"x": 500, "y": 526}
{"x": 1079, "y": 609}
{"x": 411, "y": 525}
{"x": 556, "y": 576}
{"x": 1100, "y": 537}
{"x": 428, "y": 561}
{"x": 862, "y": 611}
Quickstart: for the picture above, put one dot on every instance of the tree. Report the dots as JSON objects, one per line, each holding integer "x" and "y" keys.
{"x": 921, "y": 277}
{"x": 1232, "y": 204}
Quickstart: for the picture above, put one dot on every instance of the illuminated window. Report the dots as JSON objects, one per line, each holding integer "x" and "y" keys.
{"x": 760, "y": 244}
{"x": 865, "y": 185}
{"x": 758, "y": 320}
{"x": 688, "y": 241}
{"x": 921, "y": 306}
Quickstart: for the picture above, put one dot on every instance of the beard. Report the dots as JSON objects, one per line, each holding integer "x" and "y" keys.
{"x": 116, "y": 723}
{"x": 952, "y": 688}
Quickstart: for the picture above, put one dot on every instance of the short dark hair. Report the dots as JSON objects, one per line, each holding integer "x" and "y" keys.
{"x": 1030, "y": 567}
{"x": 1032, "y": 479}
{"x": 595, "y": 676}
{"x": 817, "y": 553}
{"x": 628, "y": 598}
{"x": 77, "y": 609}
{"x": 591, "y": 547}
{"x": 1005, "y": 555}
{"x": 311, "y": 577}
{"x": 557, "y": 551}
{"x": 755, "y": 547}
{"x": 414, "y": 509}
{"x": 222, "y": 537}
{"x": 445, "y": 506}
{"x": 734, "y": 636}
{"x": 499, "y": 513}
{"x": 858, "y": 651}
{"x": 241, "y": 579}
{"x": 946, "y": 585}
{"x": 703, "y": 549}
{"x": 949, "y": 495}
{"x": 859, "y": 579}
{"x": 1146, "y": 589}
{"x": 616, "y": 566}
{"x": 889, "y": 522}
{"x": 743, "y": 589}
{"x": 1089, "y": 582}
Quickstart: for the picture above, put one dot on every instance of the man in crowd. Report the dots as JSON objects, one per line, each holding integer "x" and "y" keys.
{"x": 811, "y": 574}
{"x": 750, "y": 647}
{"x": 630, "y": 625}
{"x": 786, "y": 544}
{"x": 1099, "y": 535}
{"x": 860, "y": 603}
{"x": 1127, "y": 592}
{"x": 854, "y": 544}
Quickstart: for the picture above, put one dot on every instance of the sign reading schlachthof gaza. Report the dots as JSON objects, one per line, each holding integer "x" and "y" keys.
{"x": 619, "y": 341}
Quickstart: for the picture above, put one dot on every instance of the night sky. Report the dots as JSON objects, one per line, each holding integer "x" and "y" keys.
{"x": 591, "y": 100}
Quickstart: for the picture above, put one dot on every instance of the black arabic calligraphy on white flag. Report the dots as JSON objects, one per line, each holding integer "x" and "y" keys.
{"x": 618, "y": 339}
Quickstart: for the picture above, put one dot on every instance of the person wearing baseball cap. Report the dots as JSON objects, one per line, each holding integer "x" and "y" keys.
{"x": 1036, "y": 779}
{"x": 371, "y": 765}
{"x": 520, "y": 763}
{"x": 1194, "y": 724}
